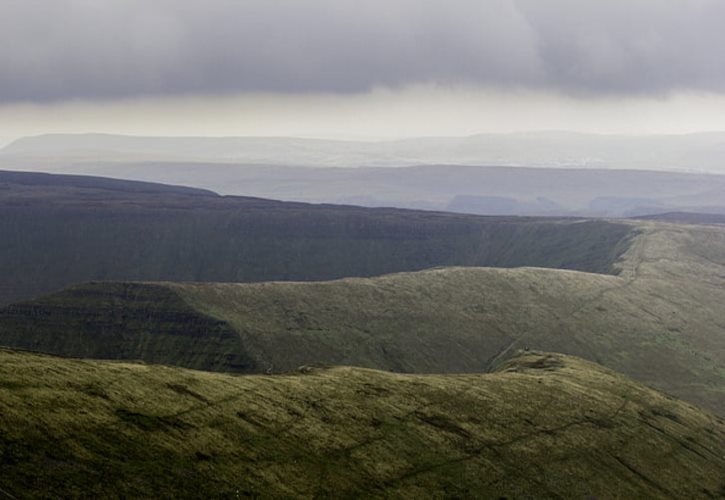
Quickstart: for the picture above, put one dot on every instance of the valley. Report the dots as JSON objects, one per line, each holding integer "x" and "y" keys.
{"x": 64, "y": 230}
{"x": 362, "y": 250}
{"x": 657, "y": 319}
{"x": 419, "y": 350}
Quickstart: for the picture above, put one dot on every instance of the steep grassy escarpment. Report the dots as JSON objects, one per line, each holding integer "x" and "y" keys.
{"x": 542, "y": 425}
{"x": 661, "y": 321}
{"x": 56, "y": 235}
{"x": 125, "y": 321}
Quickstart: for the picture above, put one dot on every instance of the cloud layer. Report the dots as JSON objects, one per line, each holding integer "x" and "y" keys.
{"x": 86, "y": 49}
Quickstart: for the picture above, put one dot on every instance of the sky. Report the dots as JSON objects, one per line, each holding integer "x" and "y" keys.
{"x": 372, "y": 69}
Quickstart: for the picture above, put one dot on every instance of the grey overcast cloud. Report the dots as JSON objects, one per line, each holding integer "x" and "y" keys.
{"x": 66, "y": 49}
{"x": 592, "y": 60}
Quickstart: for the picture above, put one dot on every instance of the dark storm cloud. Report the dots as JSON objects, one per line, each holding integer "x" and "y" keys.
{"x": 62, "y": 49}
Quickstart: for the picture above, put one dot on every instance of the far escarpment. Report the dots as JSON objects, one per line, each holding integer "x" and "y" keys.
{"x": 659, "y": 321}
{"x": 125, "y": 321}
{"x": 62, "y": 230}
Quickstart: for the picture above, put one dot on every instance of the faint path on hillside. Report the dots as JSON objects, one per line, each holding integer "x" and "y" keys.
{"x": 631, "y": 263}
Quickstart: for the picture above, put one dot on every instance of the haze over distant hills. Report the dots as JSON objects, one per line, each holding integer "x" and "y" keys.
{"x": 61, "y": 230}
{"x": 455, "y": 174}
{"x": 701, "y": 152}
{"x": 437, "y": 250}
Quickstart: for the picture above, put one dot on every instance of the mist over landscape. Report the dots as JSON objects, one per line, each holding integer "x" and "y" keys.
{"x": 505, "y": 174}
{"x": 325, "y": 248}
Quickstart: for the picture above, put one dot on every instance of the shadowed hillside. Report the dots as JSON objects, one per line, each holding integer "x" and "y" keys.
{"x": 126, "y": 321}
{"x": 60, "y": 230}
{"x": 659, "y": 321}
{"x": 542, "y": 425}
{"x": 687, "y": 218}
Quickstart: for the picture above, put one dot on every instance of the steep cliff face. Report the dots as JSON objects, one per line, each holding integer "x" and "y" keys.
{"x": 658, "y": 321}
{"x": 124, "y": 321}
{"x": 60, "y": 231}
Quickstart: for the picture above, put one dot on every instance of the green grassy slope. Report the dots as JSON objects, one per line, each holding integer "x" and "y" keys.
{"x": 542, "y": 425}
{"x": 125, "y": 321}
{"x": 60, "y": 230}
{"x": 660, "y": 320}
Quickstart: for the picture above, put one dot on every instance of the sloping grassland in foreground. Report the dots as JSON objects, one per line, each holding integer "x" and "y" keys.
{"x": 541, "y": 425}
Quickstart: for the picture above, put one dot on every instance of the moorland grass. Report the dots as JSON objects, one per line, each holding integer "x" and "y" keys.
{"x": 542, "y": 425}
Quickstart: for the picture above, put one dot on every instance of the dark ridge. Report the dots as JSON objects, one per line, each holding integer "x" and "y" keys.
{"x": 59, "y": 235}
{"x": 38, "y": 179}
{"x": 124, "y": 321}
{"x": 686, "y": 218}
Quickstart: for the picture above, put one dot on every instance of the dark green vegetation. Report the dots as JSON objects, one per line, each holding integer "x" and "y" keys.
{"x": 660, "y": 320}
{"x": 60, "y": 230}
{"x": 543, "y": 425}
{"x": 641, "y": 297}
{"x": 125, "y": 321}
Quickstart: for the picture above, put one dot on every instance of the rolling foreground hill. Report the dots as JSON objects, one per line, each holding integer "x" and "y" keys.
{"x": 660, "y": 320}
{"x": 542, "y": 425}
{"x": 62, "y": 230}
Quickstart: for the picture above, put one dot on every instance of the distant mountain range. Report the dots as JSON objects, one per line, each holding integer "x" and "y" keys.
{"x": 460, "y": 175}
{"x": 702, "y": 152}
